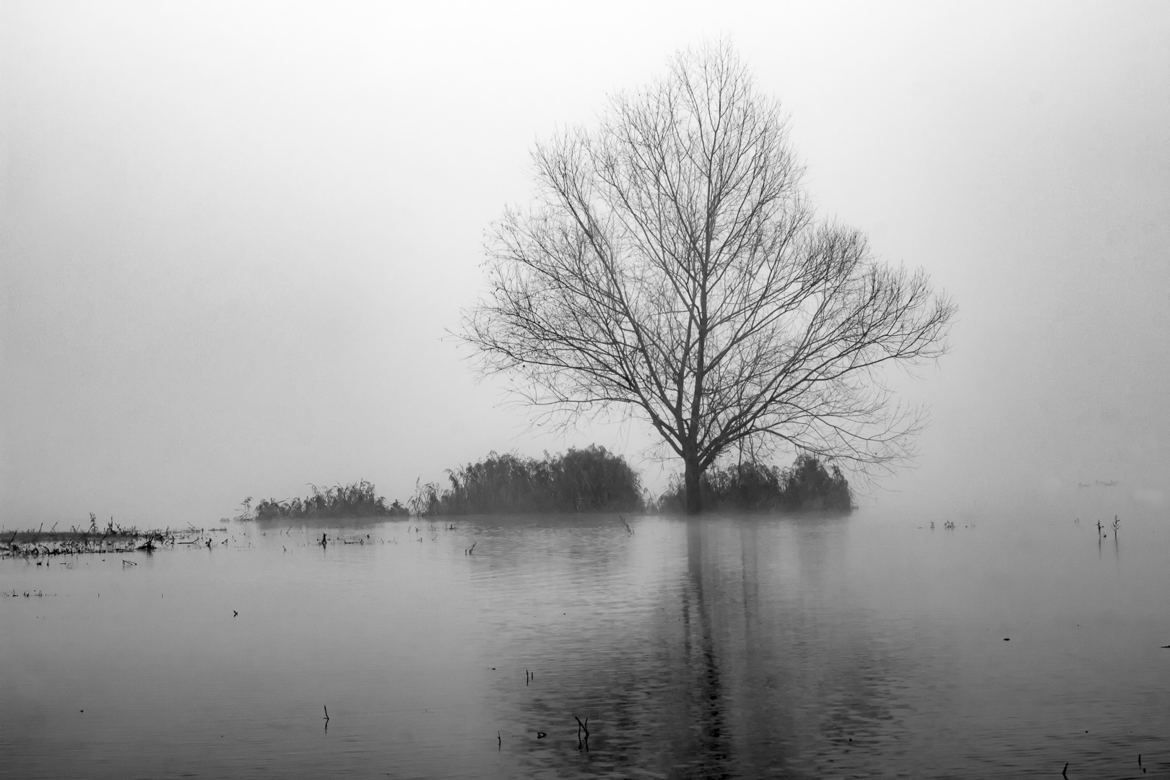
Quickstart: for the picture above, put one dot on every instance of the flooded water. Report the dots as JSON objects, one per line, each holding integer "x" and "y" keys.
{"x": 807, "y": 647}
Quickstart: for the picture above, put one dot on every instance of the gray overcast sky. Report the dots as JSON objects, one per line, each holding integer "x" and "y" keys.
{"x": 234, "y": 235}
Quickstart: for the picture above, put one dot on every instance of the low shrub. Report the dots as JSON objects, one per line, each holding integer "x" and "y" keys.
{"x": 754, "y": 487}
{"x": 580, "y": 480}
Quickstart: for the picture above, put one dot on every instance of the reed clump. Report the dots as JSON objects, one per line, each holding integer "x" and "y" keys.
{"x": 109, "y": 538}
{"x": 357, "y": 499}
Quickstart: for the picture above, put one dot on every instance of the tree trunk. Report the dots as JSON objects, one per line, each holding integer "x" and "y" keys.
{"x": 691, "y": 475}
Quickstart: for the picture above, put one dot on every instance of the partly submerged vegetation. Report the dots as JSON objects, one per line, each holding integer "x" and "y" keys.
{"x": 755, "y": 487}
{"x": 112, "y": 538}
{"x": 356, "y": 499}
{"x": 595, "y": 480}
{"x": 585, "y": 480}
{"x": 580, "y": 480}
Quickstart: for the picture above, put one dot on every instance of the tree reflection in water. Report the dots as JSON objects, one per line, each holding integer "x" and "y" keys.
{"x": 722, "y": 667}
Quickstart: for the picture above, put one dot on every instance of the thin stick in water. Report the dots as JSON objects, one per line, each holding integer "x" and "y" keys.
{"x": 582, "y": 727}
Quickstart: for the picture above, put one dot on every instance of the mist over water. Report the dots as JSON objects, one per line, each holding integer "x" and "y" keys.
{"x": 235, "y": 238}
{"x": 801, "y": 646}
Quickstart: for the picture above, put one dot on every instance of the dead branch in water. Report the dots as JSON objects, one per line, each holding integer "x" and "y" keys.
{"x": 582, "y": 727}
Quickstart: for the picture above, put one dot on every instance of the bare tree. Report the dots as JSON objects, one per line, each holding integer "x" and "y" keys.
{"x": 674, "y": 268}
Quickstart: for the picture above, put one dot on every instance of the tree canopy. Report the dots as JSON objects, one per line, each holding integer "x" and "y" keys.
{"x": 673, "y": 267}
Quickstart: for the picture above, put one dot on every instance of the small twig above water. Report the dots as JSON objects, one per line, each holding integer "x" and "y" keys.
{"x": 582, "y": 744}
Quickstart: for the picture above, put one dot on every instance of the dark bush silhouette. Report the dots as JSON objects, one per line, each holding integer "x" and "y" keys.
{"x": 356, "y": 499}
{"x": 753, "y": 486}
{"x": 586, "y": 480}
{"x": 581, "y": 480}
{"x": 807, "y": 485}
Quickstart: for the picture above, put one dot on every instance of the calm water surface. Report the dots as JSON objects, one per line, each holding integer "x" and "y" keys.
{"x": 859, "y": 646}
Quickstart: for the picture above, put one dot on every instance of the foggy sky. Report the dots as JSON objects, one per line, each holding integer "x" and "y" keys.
{"x": 234, "y": 237}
